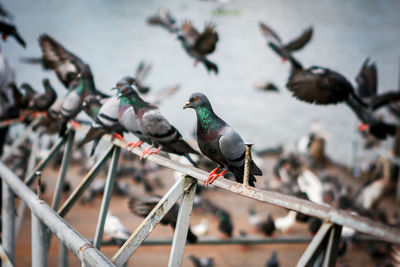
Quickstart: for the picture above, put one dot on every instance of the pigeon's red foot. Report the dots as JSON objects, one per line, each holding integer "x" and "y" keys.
{"x": 117, "y": 136}
{"x": 284, "y": 60}
{"x": 147, "y": 152}
{"x": 75, "y": 124}
{"x": 213, "y": 176}
{"x": 132, "y": 145}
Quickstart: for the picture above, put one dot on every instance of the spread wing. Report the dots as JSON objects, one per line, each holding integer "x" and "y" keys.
{"x": 207, "y": 41}
{"x": 300, "y": 41}
{"x": 270, "y": 34}
{"x": 367, "y": 79}
{"x": 189, "y": 33}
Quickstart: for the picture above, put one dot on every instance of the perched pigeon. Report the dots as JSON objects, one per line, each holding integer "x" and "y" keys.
{"x": 285, "y": 50}
{"x": 165, "y": 20}
{"x": 219, "y": 142}
{"x": 42, "y": 102}
{"x": 155, "y": 127}
{"x": 144, "y": 205}
{"x": 199, "y": 45}
{"x": 106, "y": 121}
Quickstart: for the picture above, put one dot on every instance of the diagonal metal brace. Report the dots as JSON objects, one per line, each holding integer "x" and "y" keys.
{"x": 149, "y": 223}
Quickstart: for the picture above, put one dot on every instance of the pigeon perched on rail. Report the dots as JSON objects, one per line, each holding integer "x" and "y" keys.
{"x": 144, "y": 205}
{"x": 165, "y": 20}
{"x": 199, "y": 45}
{"x": 155, "y": 127}
{"x": 41, "y": 102}
{"x": 219, "y": 142}
{"x": 285, "y": 50}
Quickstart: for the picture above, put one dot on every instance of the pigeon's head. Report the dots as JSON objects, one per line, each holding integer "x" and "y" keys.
{"x": 197, "y": 100}
{"x": 127, "y": 91}
{"x": 126, "y": 80}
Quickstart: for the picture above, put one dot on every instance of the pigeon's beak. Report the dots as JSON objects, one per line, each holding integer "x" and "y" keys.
{"x": 187, "y": 105}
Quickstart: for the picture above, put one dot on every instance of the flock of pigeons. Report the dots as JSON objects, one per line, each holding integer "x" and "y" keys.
{"x": 128, "y": 112}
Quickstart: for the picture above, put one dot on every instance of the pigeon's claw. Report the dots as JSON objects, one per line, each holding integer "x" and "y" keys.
{"x": 132, "y": 145}
{"x": 152, "y": 152}
{"x": 145, "y": 152}
{"x": 118, "y": 136}
{"x": 214, "y": 175}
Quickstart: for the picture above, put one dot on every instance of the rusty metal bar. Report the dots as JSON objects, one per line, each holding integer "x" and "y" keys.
{"x": 183, "y": 223}
{"x": 315, "y": 247}
{"x": 148, "y": 224}
{"x": 98, "y": 237}
{"x": 247, "y": 164}
{"x": 68, "y": 235}
{"x": 84, "y": 184}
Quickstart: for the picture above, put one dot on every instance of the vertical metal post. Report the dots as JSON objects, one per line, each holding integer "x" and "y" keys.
{"x": 8, "y": 226}
{"x": 63, "y": 259}
{"x": 98, "y": 238}
{"x": 63, "y": 170}
{"x": 247, "y": 164}
{"x": 182, "y": 225}
{"x": 332, "y": 247}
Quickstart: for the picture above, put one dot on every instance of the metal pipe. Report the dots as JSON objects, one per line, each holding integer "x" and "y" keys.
{"x": 7, "y": 217}
{"x": 330, "y": 255}
{"x": 182, "y": 224}
{"x": 30, "y": 178}
{"x": 68, "y": 235}
{"x": 5, "y": 261}
{"x": 63, "y": 170}
{"x": 148, "y": 224}
{"x": 63, "y": 259}
{"x": 98, "y": 237}
{"x": 247, "y": 164}
{"x": 84, "y": 184}
{"x": 39, "y": 243}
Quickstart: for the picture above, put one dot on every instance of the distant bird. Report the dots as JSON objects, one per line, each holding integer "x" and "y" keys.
{"x": 41, "y": 102}
{"x": 165, "y": 20}
{"x": 285, "y": 223}
{"x": 267, "y": 227}
{"x": 105, "y": 122}
{"x": 267, "y": 86}
{"x": 254, "y": 218}
{"x": 201, "y": 262}
{"x": 201, "y": 229}
{"x": 314, "y": 224}
{"x": 285, "y": 50}
{"x": 115, "y": 229}
{"x": 273, "y": 261}
{"x": 199, "y": 45}
{"x": 144, "y": 205}
{"x": 225, "y": 224}
{"x": 141, "y": 72}
{"x": 156, "y": 128}
{"x": 220, "y": 142}
{"x": 311, "y": 185}
{"x": 7, "y": 28}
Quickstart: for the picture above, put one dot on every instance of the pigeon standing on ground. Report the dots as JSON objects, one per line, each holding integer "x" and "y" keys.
{"x": 199, "y": 45}
{"x": 156, "y": 128}
{"x": 115, "y": 229}
{"x": 273, "y": 261}
{"x": 201, "y": 262}
{"x": 219, "y": 142}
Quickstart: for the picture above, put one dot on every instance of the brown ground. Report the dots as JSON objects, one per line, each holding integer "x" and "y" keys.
{"x": 83, "y": 219}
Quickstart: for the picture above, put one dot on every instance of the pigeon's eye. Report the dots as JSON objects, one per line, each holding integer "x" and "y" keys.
{"x": 125, "y": 90}
{"x": 196, "y": 98}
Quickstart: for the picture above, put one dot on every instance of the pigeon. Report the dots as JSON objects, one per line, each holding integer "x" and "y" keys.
{"x": 41, "y": 102}
{"x": 155, "y": 127}
{"x": 220, "y": 142}
{"x": 201, "y": 262}
{"x": 199, "y": 45}
{"x": 254, "y": 218}
{"x": 284, "y": 223}
{"x": 267, "y": 227}
{"x": 165, "y": 20}
{"x": 30, "y": 93}
{"x": 92, "y": 104}
{"x": 273, "y": 261}
{"x": 267, "y": 86}
{"x": 114, "y": 228}
{"x": 285, "y": 50}
{"x": 201, "y": 229}
{"x": 141, "y": 73}
{"x": 7, "y": 28}
{"x": 225, "y": 224}
{"x": 106, "y": 121}
{"x": 144, "y": 205}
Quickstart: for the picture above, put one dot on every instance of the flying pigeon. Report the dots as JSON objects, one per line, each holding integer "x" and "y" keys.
{"x": 7, "y": 28}
{"x": 285, "y": 50}
{"x": 141, "y": 72}
{"x": 155, "y": 127}
{"x": 219, "y": 142}
{"x": 199, "y": 45}
{"x": 165, "y": 20}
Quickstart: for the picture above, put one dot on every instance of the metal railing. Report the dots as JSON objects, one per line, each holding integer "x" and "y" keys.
{"x": 320, "y": 252}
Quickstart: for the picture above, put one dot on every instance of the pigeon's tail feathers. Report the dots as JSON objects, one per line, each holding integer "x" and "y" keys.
{"x": 20, "y": 40}
{"x": 210, "y": 66}
{"x": 189, "y": 158}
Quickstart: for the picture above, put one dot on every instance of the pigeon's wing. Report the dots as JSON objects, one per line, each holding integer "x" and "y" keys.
{"x": 207, "y": 41}
{"x": 55, "y": 57}
{"x": 367, "y": 79}
{"x": 319, "y": 86}
{"x": 142, "y": 71}
{"x": 189, "y": 33}
{"x": 384, "y": 99}
{"x": 300, "y": 41}
{"x": 232, "y": 147}
{"x": 270, "y": 34}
